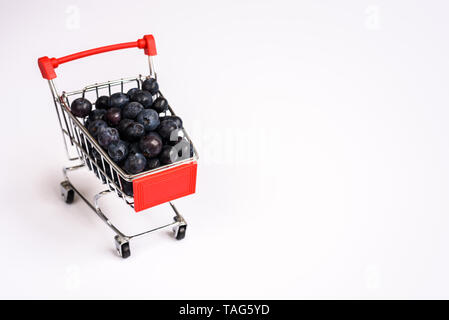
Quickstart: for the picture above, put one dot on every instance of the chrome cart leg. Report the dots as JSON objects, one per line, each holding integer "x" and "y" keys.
{"x": 122, "y": 246}
{"x": 179, "y": 230}
{"x": 67, "y": 190}
{"x": 65, "y": 170}
{"x": 103, "y": 216}
{"x": 122, "y": 241}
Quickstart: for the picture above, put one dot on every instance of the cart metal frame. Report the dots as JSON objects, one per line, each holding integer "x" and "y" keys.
{"x": 91, "y": 156}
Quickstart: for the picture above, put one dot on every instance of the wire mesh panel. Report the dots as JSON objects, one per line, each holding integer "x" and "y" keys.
{"x": 90, "y": 152}
{"x": 139, "y": 191}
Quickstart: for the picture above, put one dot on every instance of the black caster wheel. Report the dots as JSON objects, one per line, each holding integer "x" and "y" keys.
{"x": 67, "y": 192}
{"x": 180, "y": 232}
{"x": 122, "y": 246}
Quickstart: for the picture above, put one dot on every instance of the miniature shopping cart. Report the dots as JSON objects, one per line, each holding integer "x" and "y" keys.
{"x": 139, "y": 191}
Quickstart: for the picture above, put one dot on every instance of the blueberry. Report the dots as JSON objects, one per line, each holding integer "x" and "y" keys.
{"x": 97, "y": 114}
{"x": 96, "y": 126}
{"x": 134, "y": 148}
{"x": 124, "y": 123}
{"x": 149, "y": 118}
{"x": 81, "y": 107}
{"x": 176, "y": 119}
{"x": 113, "y": 116}
{"x": 127, "y": 143}
{"x": 108, "y": 136}
{"x": 168, "y": 129}
{"x": 168, "y": 155}
{"x": 150, "y": 85}
{"x": 118, "y": 151}
{"x": 144, "y": 98}
{"x": 134, "y": 131}
{"x": 102, "y": 103}
{"x": 183, "y": 149}
{"x": 118, "y": 100}
{"x": 131, "y": 110}
{"x": 151, "y": 145}
{"x": 152, "y": 163}
{"x": 160, "y": 105}
{"x": 135, "y": 163}
{"x": 131, "y": 92}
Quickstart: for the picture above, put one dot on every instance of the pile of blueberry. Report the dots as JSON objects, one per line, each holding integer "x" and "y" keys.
{"x": 133, "y": 129}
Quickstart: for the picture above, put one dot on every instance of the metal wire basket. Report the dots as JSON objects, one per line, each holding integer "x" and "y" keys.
{"x": 139, "y": 191}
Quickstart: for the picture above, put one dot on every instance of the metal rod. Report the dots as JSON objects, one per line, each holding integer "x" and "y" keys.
{"x": 152, "y": 230}
{"x": 54, "y": 93}
{"x": 103, "y": 217}
{"x": 96, "y": 208}
{"x": 150, "y": 64}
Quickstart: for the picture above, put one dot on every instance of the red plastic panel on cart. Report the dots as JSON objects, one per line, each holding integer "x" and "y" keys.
{"x": 164, "y": 186}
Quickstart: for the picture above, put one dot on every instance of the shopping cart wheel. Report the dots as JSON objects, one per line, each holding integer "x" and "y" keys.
{"x": 67, "y": 192}
{"x": 122, "y": 245}
{"x": 180, "y": 231}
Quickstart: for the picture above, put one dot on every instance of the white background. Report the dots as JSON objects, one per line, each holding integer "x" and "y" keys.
{"x": 323, "y": 140}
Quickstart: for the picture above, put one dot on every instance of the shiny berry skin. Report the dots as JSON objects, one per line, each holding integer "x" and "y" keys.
{"x": 144, "y": 98}
{"x": 176, "y": 119}
{"x": 149, "y": 118}
{"x": 134, "y": 131}
{"x": 118, "y": 151}
{"x": 108, "y": 136}
{"x": 131, "y": 92}
{"x": 168, "y": 129}
{"x": 118, "y": 100}
{"x": 135, "y": 163}
{"x": 160, "y": 105}
{"x": 81, "y": 107}
{"x": 131, "y": 110}
{"x": 151, "y": 145}
{"x": 151, "y": 86}
{"x": 168, "y": 155}
{"x": 102, "y": 103}
{"x": 113, "y": 116}
{"x": 96, "y": 126}
{"x": 97, "y": 114}
{"x": 124, "y": 123}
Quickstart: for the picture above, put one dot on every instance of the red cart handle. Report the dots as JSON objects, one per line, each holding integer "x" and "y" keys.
{"x": 47, "y": 65}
